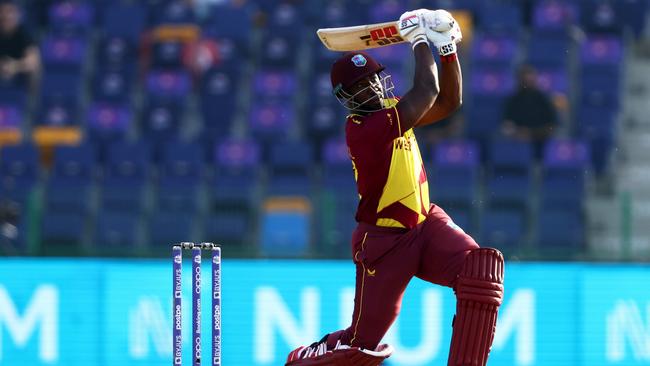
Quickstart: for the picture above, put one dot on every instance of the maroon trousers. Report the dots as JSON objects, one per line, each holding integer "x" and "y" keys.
{"x": 387, "y": 259}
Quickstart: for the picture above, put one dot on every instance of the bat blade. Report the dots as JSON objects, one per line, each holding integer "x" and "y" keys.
{"x": 360, "y": 37}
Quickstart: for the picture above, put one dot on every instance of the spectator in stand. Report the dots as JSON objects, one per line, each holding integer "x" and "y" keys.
{"x": 19, "y": 55}
{"x": 529, "y": 114}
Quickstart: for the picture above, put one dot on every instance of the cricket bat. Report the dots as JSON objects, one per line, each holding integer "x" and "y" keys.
{"x": 363, "y": 37}
{"x": 360, "y": 37}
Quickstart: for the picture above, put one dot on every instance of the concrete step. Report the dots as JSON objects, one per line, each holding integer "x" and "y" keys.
{"x": 634, "y": 179}
{"x": 636, "y": 147}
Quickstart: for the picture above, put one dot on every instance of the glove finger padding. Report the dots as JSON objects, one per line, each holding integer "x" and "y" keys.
{"x": 411, "y": 27}
{"x": 439, "y": 20}
{"x": 445, "y": 41}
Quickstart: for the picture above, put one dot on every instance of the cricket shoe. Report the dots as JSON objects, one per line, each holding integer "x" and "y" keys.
{"x": 319, "y": 354}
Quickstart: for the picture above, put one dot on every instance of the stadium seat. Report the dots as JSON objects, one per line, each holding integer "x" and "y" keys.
{"x": 11, "y": 119}
{"x": 285, "y": 227}
{"x": 116, "y": 54}
{"x": 127, "y": 174}
{"x": 271, "y": 84}
{"x": 555, "y": 15}
{"x": 270, "y": 121}
{"x": 454, "y": 175}
{"x": 235, "y": 185}
{"x": 63, "y": 54}
{"x": 71, "y": 180}
{"x": 168, "y": 84}
{"x": 108, "y": 122}
{"x": 560, "y": 231}
{"x": 62, "y": 232}
{"x": 71, "y": 16}
{"x": 124, "y": 19}
{"x": 549, "y": 50}
{"x": 290, "y": 165}
{"x": 228, "y": 228}
{"x": 165, "y": 228}
{"x": 112, "y": 86}
{"x": 286, "y": 18}
{"x": 116, "y": 230}
{"x": 219, "y": 87}
{"x": 180, "y": 177}
{"x": 503, "y": 229}
{"x": 167, "y": 55}
{"x": 490, "y": 50}
{"x": 19, "y": 168}
{"x": 161, "y": 120}
{"x": 509, "y": 174}
{"x": 500, "y": 17}
{"x": 279, "y": 52}
{"x": 563, "y": 174}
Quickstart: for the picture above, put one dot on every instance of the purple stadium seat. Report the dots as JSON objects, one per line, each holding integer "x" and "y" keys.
{"x": 335, "y": 152}
{"x": 173, "y": 12}
{"x": 554, "y": 81}
{"x": 10, "y": 117}
{"x": 456, "y": 153}
{"x": 563, "y": 174}
{"x": 236, "y": 154}
{"x": 340, "y": 14}
{"x": 112, "y": 86}
{"x": 58, "y": 112}
{"x": 167, "y": 54}
{"x": 232, "y": 20}
{"x": 71, "y": 15}
{"x": 548, "y": 50}
{"x": 601, "y": 50}
{"x": 116, "y": 53}
{"x": 492, "y": 83}
{"x": 63, "y": 53}
{"x": 555, "y": 15}
{"x": 279, "y": 51}
{"x": 386, "y": 11}
{"x": 454, "y": 174}
{"x": 600, "y": 16}
{"x": 500, "y": 17}
{"x": 494, "y": 49}
{"x": 286, "y": 19}
{"x": 125, "y": 20}
{"x": 168, "y": 84}
{"x": 161, "y": 120}
{"x": 108, "y": 121}
{"x": 563, "y": 153}
{"x": 271, "y": 120}
{"x": 271, "y": 84}
{"x": 19, "y": 168}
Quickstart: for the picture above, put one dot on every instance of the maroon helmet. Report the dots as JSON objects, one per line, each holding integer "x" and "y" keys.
{"x": 352, "y": 67}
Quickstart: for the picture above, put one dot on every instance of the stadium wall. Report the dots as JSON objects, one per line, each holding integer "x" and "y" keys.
{"x": 114, "y": 312}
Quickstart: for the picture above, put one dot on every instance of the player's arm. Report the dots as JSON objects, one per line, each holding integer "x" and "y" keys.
{"x": 422, "y": 95}
{"x": 450, "y": 97}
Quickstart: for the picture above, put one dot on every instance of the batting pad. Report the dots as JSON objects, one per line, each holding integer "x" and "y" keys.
{"x": 479, "y": 293}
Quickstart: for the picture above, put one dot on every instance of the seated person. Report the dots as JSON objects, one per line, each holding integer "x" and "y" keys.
{"x": 529, "y": 114}
{"x": 19, "y": 55}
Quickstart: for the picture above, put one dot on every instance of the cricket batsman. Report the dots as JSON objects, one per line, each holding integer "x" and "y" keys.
{"x": 400, "y": 234}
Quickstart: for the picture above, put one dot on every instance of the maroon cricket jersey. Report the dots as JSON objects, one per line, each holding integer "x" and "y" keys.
{"x": 391, "y": 179}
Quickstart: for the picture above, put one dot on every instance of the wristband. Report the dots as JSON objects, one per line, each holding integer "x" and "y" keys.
{"x": 448, "y": 58}
{"x": 447, "y": 49}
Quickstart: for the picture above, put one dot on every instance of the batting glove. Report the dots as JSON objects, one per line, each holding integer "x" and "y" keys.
{"x": 443, "y": 31}
{"x": 411, "y": 27}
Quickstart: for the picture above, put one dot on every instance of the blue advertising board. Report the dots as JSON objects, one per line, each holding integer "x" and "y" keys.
{"x": 106, "y": 312}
